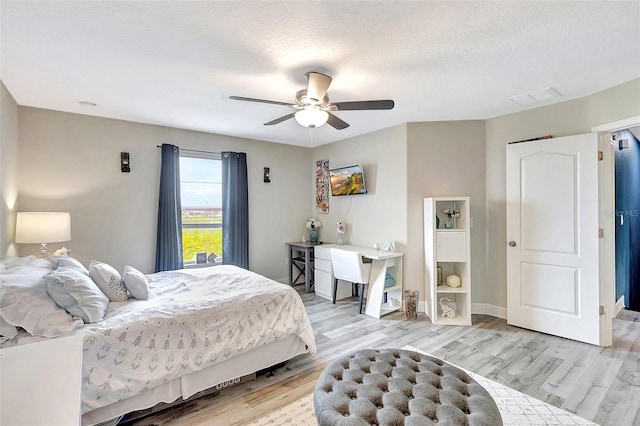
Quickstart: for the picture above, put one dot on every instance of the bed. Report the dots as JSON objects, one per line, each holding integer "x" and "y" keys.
{"x": 198, "y": 328}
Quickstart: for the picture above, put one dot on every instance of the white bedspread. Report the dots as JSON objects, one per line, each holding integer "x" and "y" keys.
{"x": 192, "y": 320}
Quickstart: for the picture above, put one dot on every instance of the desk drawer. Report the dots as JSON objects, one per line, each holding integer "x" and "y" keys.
{"x": 322, "y": 253}
{"x": 323, "y": 265}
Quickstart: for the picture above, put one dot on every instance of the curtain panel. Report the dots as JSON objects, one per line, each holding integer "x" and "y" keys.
{"x": 235, "y": 209}
{"x": 169, "y": 238}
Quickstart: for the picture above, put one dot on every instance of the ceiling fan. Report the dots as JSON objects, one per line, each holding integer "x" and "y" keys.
{"x": 313, "y": 106}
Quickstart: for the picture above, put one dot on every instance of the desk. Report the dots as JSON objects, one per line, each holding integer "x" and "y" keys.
{"x": 381, "y": 263}
{"x": 301, "y": 257}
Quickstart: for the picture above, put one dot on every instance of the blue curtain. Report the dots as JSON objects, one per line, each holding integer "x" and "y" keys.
{"x": 235, "y": 209}
{"x": 169, "y": 240}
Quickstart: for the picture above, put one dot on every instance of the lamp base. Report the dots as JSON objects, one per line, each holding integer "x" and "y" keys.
{"x": 43, "y": 250}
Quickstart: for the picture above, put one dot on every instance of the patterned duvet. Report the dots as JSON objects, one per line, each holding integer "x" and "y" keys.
{"x": 192, "y": 320}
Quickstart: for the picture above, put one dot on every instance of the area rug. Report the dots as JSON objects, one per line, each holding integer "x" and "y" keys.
{"x": 516, "y": 408}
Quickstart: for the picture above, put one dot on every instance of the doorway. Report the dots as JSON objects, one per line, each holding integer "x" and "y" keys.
{"x": 626, "y": 146}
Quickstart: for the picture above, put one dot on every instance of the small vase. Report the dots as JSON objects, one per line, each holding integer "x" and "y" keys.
{"x": 313, "y": 236}
{"x": 449, "y": 223}
{"x": 340, "y": 240}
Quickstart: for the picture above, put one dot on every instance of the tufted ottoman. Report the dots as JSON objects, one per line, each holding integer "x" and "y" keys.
{"x": 397, "y": 387}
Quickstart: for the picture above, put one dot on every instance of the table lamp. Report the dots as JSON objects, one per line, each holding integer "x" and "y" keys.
{"x": 43, "y": 228}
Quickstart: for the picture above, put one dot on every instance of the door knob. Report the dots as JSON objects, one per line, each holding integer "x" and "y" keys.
{"x": 512, "y": 243}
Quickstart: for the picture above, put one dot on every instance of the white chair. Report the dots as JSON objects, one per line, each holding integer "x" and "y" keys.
{"x": 349, "y": 266}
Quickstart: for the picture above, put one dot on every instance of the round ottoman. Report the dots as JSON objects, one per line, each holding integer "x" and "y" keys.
{"x": 398, "y": 387}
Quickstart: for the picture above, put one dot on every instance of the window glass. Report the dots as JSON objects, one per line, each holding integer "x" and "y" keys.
{"x": 201, "y": 198}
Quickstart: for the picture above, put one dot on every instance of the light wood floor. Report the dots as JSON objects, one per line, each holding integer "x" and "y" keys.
{"x": 598, "y": 384}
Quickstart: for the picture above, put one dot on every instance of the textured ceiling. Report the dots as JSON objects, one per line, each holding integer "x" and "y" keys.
{"x": 176, "y": 63}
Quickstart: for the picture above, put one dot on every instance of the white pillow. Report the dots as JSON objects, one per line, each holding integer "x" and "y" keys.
{"x": 28, "y": 305}
{"x": 136, "y": 283}
{"x": 108, "y": 280}
{"x": 77, "y": 294}
{"x": 68, "y": 261}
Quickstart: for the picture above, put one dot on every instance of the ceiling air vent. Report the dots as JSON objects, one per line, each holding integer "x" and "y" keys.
{"x": 536, "y": 96}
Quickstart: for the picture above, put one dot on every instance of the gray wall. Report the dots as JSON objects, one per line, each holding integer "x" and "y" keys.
{"x": 71, "y": 162}
{"x": 446, "y": 159}
{"x": 8, "y": 171}
{"x": 563, "y": 119}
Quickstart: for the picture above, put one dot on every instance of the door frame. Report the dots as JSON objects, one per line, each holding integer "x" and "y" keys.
{"x": 607, "y": 207}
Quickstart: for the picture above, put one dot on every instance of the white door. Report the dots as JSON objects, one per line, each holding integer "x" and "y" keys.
{"x": 552, "y": 235}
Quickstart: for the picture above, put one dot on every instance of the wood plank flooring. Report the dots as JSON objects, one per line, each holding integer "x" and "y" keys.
{"x": 598, "y": 384}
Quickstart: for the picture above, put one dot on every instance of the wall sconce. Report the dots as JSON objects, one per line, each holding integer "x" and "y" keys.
{"x": 266, "y": 175}
{"x": 124, "y": 162}
{"x": 623, "y": 144}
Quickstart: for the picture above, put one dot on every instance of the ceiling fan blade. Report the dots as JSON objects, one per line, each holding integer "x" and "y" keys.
{"x": 281, "y": 119}
{"x": 336, "y": 123}
{"x": 365, "y": 105}
{"x": 262, "y": 101}
{"x": 318, "y": 86}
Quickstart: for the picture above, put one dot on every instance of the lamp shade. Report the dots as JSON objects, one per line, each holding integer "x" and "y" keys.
{"x": 312, "y": 117}
{"x": 43, "y": 227}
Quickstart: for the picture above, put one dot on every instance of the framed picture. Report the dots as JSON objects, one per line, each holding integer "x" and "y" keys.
{"x": 201, "y": 257}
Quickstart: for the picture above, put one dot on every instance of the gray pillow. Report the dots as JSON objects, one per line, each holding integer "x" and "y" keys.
{"x": 77, "y": 294}
{"x": 108, "y": 280}
{"x": 136, "y": 283}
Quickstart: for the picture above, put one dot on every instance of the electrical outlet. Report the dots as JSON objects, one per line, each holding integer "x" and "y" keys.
{"x": 470, "y": 222}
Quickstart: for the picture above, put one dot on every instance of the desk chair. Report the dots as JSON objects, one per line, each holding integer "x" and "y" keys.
{"x": 349, "y": 266}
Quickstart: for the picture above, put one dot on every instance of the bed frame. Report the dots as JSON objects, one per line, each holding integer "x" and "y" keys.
{"x": 188, "y": 385}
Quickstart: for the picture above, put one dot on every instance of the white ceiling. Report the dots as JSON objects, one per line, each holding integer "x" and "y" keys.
{"x": 176, "y": 63}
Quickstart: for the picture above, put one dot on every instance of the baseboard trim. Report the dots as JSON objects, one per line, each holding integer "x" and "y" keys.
{"x": 489, "y": 309}
{"x": 619, "y": 306}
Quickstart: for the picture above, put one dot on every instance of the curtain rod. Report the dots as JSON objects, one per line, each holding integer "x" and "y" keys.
{"x": 193, "y": 150}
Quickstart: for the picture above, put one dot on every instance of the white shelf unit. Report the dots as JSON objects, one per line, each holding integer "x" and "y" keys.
{"x": 449, "y": 249}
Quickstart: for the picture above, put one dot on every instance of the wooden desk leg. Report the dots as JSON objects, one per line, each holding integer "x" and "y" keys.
{"x": 307, "y": 271}
{"x": 290, "y": 265}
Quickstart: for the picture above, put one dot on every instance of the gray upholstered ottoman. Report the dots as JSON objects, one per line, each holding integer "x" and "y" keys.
{"x": 398, "y": 387}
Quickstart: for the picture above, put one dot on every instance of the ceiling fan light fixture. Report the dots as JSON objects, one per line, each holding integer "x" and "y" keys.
{"x": 311, "y": 117}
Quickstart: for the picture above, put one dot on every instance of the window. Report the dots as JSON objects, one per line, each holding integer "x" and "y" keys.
{"x": 201, "y": 198}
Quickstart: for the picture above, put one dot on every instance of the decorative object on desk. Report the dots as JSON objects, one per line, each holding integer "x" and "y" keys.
{"x": 62, "y": 252}
{"x": 437, "y": 221}
{"x": 313, "y": 225}
{"x": 411, "y": 303}
{"x": 452, "y": 214}
{"x": 448, "y": 307}
{"x": 322, "y": 186}
{"x": 212, "y": 258}
{"x": 340, "y": 228}
{"x": 388, "y": 246}
{"x": 453, "y": 280}
{"x": 439, "y": 275}
{"x": 201, "y": 257}
{"x": 389, "y": 281}
{"x": 376, "y": 246}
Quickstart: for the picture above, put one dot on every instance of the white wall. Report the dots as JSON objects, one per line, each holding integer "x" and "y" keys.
{"x": 446, "y": 159}
{"x": 381, "y": 213}
{"x": 71, "y": 162}
{"x": 8, "y": 171}
{"x": 567, "y": 118}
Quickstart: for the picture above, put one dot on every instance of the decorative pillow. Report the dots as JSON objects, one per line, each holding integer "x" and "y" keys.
{"x": 108, "y": 280}
{"x": 27, "y": 305}
{"x": 77, "y": 294}
{"x": 68, "y": 261}
{"x": 136, "y": 283}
